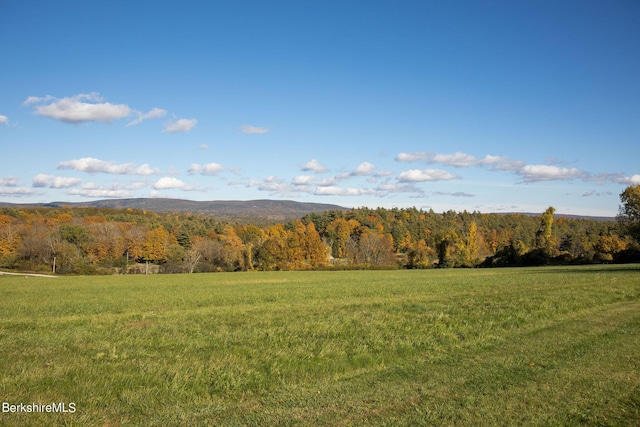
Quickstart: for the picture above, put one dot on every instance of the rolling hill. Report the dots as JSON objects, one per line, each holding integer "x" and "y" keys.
{"x": 265, "y": 209}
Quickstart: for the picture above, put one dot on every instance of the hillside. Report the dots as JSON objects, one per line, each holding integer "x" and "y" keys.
{"x": 265, "y": 209}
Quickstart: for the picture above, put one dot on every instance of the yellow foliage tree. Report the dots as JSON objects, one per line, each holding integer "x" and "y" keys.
{"x": 157, "y": 243}
{"x": 9, "y": 235}
{"x": 340, "y": 231}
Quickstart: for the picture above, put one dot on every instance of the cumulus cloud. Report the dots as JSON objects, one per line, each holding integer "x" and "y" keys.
{"x": 535, "y": 173}
{"x": 93, "y": 165}
{"x": 415, "y": 175}
{"x": 135, "y": 185}
{"x": 274, "y": 185}
{"x": 180, "y": 125}
{"x": 504, "y": 164}
{"x": 457, "y": 159}
{"x": 529, "y": 172}
{"x": 155, "y": 113}
{"x": 145, "y": 169}
{"x": 628, "y": 180}
{"x": 43, "y": 180}
{"x": 101, "y": 193}
{"x": 314, "y": 166}
{"x": 253, "y": 130}
{"x": 110, "y": 191}
{"x": 206, "y": 169}
{"x": 168, "y": 183}
{"x": 4, "y": 120}
{"x": 460, "y": 160}
{"x": 84, "y": 107}
{"x": 339, "y": 191}
{"x": 302, "y": 180}
{"x": 327, "y": 182}
{"x": 363, "y": 169}
{"x": 384, "y": 173}
{"x": 412, "y": 157}
{"x": 8, "y": 181}
{"x": 398, "y": 188}
{"x": 16, "y": 191}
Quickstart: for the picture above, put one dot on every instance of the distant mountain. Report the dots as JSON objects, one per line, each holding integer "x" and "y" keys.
{"x": 271, "y": 210}
{"x": 266, "y": 209}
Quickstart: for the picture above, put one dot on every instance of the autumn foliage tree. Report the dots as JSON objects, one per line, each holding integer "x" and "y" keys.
{"x": 9, "y": 240}
{"x": 629, "y": 212}
{"x": 97, "y": 240}
{"x": 545, "y": 237}
{"x": 156, "y": 245}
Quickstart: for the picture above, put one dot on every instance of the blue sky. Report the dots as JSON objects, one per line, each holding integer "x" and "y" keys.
{"x": 496, "y": 106}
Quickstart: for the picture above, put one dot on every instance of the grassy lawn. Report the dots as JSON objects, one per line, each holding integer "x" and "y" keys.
{"x": 529, "y": 346}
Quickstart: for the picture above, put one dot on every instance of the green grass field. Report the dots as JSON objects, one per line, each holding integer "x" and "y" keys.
{"x": 530, "y": 346}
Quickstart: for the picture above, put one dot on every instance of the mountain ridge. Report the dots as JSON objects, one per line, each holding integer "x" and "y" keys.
{"x": 259, "y": 208}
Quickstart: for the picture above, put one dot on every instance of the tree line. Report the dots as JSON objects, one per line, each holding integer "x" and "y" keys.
{"x": 105, "y": 241}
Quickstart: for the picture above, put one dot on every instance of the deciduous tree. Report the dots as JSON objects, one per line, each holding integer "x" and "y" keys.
{"x": 629, "y": 212}
{"x": 545, "y": 238}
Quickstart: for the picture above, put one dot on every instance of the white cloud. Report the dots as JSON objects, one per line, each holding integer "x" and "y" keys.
{"x": 180, "y": 125}
{"x": 43, "y": 180}
{"x": 154, "y": 113}
{"x": 16, "y": 192}
{"x": 203, "y": 146}
{"x": 314, "y": 166}
{"x": 459, "y": 160}
{"x": 206, "y": 169}
{"x": 146, "y": 170}
{"x": 629, "y": 180}
{"x": 274, "y": 185}
{"x": 248, "y": 129}
{"x": 167, "y": 183}
{"x": 399, "y": 188}
{"x": 37, "y": 99}
{"x": 4, "y": 120}
{"x": 339, "y": 191}
{"x": 456, "y": 194}
{"x": 412, "y": 157}
{"x": 268, "y": 183}
{"x": 302, "y": 180}
{"x": 8, "y": 181}
{"x": 113, "y": 191}
{"x": 327, "y": 182}
{"x": 135, "y": 185}
{"x": 530, "y": 173}
{"x": 342, "y": 176}
{"x": 100, "y": 193}
{"x": 363, "y": 169}
{"x": 535, "y": 173}
{"x": 504, "y": 164}
{"x": 84, "y": 107}
{"x": 415, "y": 175}
{"x": 93, "y": 165}
{"x": 384, "y": 173}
